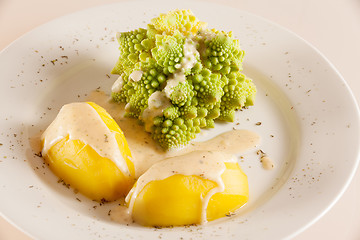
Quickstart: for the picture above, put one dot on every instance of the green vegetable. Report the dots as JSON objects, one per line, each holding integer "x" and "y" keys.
{"x": 196, "y": 71}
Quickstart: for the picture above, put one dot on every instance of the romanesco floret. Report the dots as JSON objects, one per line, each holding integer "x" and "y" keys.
{"x": 177, "y": 77}
{"x": 182, "y": 93}
{"x": 208, "y": 87}
{"x": 168, "y": 51}
{"x": 223, "y": 54}
{"x": 134, "y": 47}
{"x": 183, "y": 21}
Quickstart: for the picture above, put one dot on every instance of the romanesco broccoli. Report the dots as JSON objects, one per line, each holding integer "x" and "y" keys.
{"x": 177, "y": 77}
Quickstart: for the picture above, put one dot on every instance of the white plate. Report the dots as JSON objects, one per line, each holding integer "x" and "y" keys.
{"x": 310, "y": 125}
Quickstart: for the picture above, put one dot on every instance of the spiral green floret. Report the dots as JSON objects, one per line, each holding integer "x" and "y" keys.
{"x": 239, "y": 93}
{"x": 134, "y": 47}
{"x": 208, "y": 87}
{"x": 182, "y": 93}
{"x": 174, "y": 134}
{"x": 168, "y": 51}
{"x": 183, "y": 21}
{"x": 126, "y": 92}
{"x": 223, "y": 54}
{"x": 136, "y": 105}
{"x": 152, "y": 77}
{"x": 177, "y": 77}
{"x": 172, "y": 112}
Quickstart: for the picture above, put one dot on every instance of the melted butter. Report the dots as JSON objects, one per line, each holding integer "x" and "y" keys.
{"x": 207, "y": 164}
{"x": 81, "y": 122}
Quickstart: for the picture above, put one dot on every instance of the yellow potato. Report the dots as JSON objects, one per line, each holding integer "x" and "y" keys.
{"x": 84, "y": 169}
{"x": 177, "y": 200}
{"x": 235, "y": 195}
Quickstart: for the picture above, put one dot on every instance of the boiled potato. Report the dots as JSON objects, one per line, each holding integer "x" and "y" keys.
{"x": 79, "y": 165}
{"x": 178, "y": 199}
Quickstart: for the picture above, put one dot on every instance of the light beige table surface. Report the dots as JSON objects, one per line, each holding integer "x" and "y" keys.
{"x": 332, "y": 26}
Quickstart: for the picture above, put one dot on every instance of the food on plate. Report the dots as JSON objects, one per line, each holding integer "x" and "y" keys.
{"x": 188, "y": 189}
{"x": 85, "y": 148}
{"x": 177, "y": 76}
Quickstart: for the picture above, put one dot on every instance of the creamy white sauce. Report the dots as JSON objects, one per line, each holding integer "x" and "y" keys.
{"x": 209, "y": 165}
{"x": 127, "y": 107}
{"x": 146, "y": 151}
{"x": 172, "y": 82}
{"x": 157, "y": 103}
{"x": 190, "y": 54}
{"x": 81, "y": 122}
{"x": 136, "y": 75}
{"x": 267, "y": 163}
{"x": 187, "y": 62}
{"x": 120, "y": 214}
{"x": 207, "y": 35}
{"x": 233, "y": 141}
{"x": 118, "y": 84}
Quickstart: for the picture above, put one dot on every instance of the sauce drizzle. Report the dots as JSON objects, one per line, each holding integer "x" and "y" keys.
{"x": 80, "y": 121}
{"x": 207, "y": 164}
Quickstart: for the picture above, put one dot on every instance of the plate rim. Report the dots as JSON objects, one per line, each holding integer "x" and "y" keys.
{"x": 308, "y": 44}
